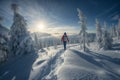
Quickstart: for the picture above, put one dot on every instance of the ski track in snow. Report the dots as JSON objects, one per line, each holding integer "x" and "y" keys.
{"x": 47, "y": 71}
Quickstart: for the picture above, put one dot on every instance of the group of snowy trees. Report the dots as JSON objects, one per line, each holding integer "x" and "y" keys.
{"x": 118, "y": 29}
{"x": 104, "y": 37}
{"x": 45, "y": 42}
{"x": 18, "y": 41}
{"x": 115, "y": 30}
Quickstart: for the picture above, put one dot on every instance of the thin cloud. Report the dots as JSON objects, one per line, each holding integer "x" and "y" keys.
{"x": 107, "y": 11}
{"x": 116, "y": 17}
{"x": 113, "y": 14}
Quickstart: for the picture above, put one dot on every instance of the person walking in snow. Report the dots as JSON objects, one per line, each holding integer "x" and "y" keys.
{"x": 65, "y": 39}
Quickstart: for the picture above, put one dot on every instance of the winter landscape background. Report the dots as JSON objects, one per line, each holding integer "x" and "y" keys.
{"x": 31, "y": 46}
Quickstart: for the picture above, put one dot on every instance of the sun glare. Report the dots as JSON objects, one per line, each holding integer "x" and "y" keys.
{"x": 40, "y": 26}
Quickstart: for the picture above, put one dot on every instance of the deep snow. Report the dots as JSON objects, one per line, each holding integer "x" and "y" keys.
{"x": 57, "y": 64}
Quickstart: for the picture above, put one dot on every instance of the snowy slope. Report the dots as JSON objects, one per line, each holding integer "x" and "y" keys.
{"x": 57, "y": 64}
{"x": 87, "y": 66}
{"x": 73, "y": 64}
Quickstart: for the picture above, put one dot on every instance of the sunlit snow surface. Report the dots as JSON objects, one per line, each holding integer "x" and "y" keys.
{"x": 74, "y": 64}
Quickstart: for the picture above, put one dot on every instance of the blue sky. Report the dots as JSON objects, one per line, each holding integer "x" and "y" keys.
{"x": 57, "y": 16}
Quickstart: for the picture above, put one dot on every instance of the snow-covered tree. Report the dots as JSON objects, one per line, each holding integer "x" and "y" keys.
{"x": 20, "y": 39}
{"x": 40, "y": 44}
{"x": 3, "y": 42}
{"x": 55, "y": 43}
{"x": 36, "y": 41}
{"x": 98, "y": 33}
{"x": 113, "y": 31}
{"x": 118, "y": 29}
{"x": 83, "y": 33}
{"x": 3, "y": 48}
{"x": 106, "y": 39}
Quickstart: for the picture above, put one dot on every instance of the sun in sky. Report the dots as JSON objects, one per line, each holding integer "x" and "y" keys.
{"x": 40, "y": 26}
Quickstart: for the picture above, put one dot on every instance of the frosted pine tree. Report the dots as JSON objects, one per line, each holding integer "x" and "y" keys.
{"x": 3, "y": 42}
{"x": 118, "y": 29}
{"x": 40, "y": 44}
{"x": 113, "y": 33}
{"x": 36, "y": 42}
{"x": 83, "y": 33}
{"x": 20, "y": 40}
{"x": 106, "y": 39}
{"x": 55, "y": 43}
{"x": 46, "y": 44}
{"x": 98, "y": 33}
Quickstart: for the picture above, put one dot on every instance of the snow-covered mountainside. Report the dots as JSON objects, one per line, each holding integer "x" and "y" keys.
{"x": 57, "y": 64}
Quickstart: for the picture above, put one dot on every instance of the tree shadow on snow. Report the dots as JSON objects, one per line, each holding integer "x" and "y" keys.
{"x": 104, "y": 57}
{"x": 91, "y": 59}
{"x": 19, "y": 69}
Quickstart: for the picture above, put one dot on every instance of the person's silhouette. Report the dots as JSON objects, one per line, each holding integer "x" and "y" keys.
{"x": 65, "y": 39}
